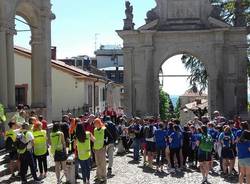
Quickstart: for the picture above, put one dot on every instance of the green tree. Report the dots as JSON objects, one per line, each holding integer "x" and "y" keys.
{"x": 166, "y": 106}
{"x": 177, "y": 108}
{"x": 197, "y": 70}
{"x": 234, "y": 12}
{"x": 163, "y": 104}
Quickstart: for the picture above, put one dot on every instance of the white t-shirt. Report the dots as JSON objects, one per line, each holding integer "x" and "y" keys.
{"x": 152, "y": 139}
{"x": 29, "y": 138}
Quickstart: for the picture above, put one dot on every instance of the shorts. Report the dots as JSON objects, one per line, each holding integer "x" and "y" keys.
{"x": 204, "y": 156}
{"x": 151, "y": 147}
{"x": 227, "y": 153}
{"x": 144, "y": 146}
{"x": 244, "y": 162}
{"x": 13, "y": 155}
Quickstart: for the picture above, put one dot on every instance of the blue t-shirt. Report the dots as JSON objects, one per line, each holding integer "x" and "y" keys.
{"x": 234, "y": 131}
{"x": 160, "y": 136}
{"x": 243, "y": 150}
{"x": 238, "y": 133}
{"x": 176, "y": 140}
{"x": 213, "y": 133}
{"x": 227, "y": 139}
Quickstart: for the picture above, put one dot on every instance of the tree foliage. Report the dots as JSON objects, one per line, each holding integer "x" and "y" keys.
{"x": 177, "y": 108}
{"x": 197, "y": 70}
{"x": 234, "y": 12}
{"x": 167, "y": 110}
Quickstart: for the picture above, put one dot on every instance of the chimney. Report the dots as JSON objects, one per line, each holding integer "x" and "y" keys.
{"x": 53, "y": 52}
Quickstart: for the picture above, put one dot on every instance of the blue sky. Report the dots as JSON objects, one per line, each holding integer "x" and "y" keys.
{"x": 76, "y": 24}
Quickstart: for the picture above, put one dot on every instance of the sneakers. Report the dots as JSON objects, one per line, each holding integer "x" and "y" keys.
{"x": 204, "y": 180}
{"x": 109, "y": 173}
{"x": 172, "y": 170}
{"x": 12, "y": 176}
{"x": 178, "y": 170}
{"x": 38, "y": 181}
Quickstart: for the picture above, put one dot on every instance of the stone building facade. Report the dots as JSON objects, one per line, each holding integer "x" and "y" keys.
{"x": 38, "y": 15}
{"x": 185, "y": 26}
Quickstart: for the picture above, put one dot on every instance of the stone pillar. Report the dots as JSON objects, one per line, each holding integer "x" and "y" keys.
{"x": 241, "y": 92}
{"x": 150, "y": 85}
{"x": 37, "y": 72}
{"x": 3, "y": 67}
{"x": 41, "y": 66}
{"x": 10, "y": 68}
{"x": 128, "y": 80}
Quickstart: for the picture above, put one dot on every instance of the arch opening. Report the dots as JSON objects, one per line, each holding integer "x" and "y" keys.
{"x": 183, "y": 79}
{"x": 23, "y": 85}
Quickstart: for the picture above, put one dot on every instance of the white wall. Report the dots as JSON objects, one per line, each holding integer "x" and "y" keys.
{"x": 23, "y": 73}
{"x": 67, "y": 92}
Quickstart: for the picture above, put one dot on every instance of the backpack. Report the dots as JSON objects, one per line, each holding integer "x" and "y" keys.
{"x": 148, "y": 132}
{"x": 9, "y": 145}
{"x": 206, "y": 143}
{"x": 113, "y": 131}
{"x": 21, "y": 141}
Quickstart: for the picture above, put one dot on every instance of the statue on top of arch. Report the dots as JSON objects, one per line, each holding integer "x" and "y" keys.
{"x": 128, "y": 22}
{"x": 151, "y": 15}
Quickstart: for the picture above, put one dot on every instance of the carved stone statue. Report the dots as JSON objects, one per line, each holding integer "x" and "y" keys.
{"x": 151, "y": 16}
{"x": 128, "y": 22}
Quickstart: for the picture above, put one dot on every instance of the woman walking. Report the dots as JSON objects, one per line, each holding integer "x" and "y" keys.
{"x": 58, "y": 149}
{"x": 40, "y": 148}
{"x": 82, "y": 143}
{"x": 205, "y": 147}
{"x": 243, "y": 147}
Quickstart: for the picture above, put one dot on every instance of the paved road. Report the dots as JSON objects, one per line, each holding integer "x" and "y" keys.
{"x": 125, "y": 171}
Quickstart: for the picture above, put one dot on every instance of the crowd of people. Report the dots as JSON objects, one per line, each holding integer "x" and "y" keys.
{"x": 93, "y": 138}
{"x": 196, "y": 144}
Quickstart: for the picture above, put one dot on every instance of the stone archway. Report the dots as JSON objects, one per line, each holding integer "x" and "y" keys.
{"x": 178, "y": 27}
{"x": 38, "y": 15}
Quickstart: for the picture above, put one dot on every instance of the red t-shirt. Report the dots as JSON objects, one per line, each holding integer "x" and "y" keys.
{"x": 44, "y": 124}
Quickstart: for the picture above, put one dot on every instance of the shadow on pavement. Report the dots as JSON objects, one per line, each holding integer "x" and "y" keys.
{"x": 161, "y": 174}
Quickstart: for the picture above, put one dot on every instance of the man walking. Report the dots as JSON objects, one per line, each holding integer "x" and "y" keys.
{"x": 112, "y": 137}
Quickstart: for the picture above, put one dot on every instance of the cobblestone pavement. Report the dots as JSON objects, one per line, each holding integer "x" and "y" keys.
{"x": 125, "y": 171}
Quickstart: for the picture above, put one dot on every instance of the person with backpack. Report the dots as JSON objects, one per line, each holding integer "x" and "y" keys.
{"x": 82, "y": 146}
{"x": 24, "y": 143}
{"x": 227, "y": 140}
{"x": 110, "y": 148}
{"x": 40, "y": 148}
{"x": 150, "y": 143}
{"x": 205, "y": 147}
{"x": 10, "y": 139}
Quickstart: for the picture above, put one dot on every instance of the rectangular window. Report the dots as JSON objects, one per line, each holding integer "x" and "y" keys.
{"x": 21, "y": 94}
{"x": 104, "y": 94}
{"x": 78, "y": 63}
{"x": 90, "y": 95}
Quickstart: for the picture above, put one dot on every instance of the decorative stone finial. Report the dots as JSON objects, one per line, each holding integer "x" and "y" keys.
{"x": 128, "y": 22}
{"x": 151, "y": 16}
